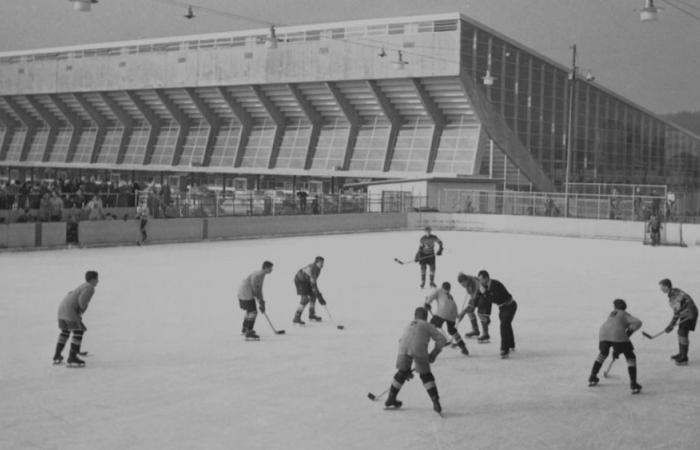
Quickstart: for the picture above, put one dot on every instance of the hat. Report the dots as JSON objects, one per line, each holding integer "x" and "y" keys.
{"x": 618, "y": 303}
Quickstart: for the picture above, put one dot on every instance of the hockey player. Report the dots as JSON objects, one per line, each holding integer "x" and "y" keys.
{"x": 426, "y": 255}
{"x": 495, "y": 292}
{"x": 471, "y": 284}
{"x": 685, "y": 313}
{"x": 70, "y": 320}
{"x": 142, "y": 214}
{"x": 615, "y": 332}
{"x": 305, "y": 281}
{"x": 249, "y": 292}
{"x": 445, "y": 312}
{"x": 654, "y": 227}
{"x": 413, "y": 350}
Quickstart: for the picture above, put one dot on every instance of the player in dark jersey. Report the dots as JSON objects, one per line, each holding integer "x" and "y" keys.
{"x": 305, "y": 282}
{"x": 615, "y": 332}
{"x": 494, "y": 292}
{"x": 654, "y": 227}
{"x": 426, "y": 255}
{"x": 685, "y": 313}
{"x": 471, "y": 284}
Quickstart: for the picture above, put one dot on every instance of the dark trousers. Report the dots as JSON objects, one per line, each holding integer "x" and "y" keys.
{"x": 506, "y": 315}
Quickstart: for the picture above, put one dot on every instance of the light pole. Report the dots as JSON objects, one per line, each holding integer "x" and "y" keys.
{"x": 570, "y": 128}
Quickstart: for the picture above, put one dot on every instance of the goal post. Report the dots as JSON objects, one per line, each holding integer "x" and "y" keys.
{"x": 671, "y": 234}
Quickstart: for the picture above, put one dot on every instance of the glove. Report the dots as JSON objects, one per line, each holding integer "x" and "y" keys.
{"x": 482, "y": 288}
{"x": 669, "y": 328}
{"x": 439, "y": 252}
{"x": 615, "y": 355}
{"x": 321, "y": 300}
{"x": 261, "y": 306}
{"x": 409, "y": 376}
{"x": 417, "y": 257}
{"x": 433, "y": 355}
{"x": 427, "y": 306}
{"x": 629, "y": 332}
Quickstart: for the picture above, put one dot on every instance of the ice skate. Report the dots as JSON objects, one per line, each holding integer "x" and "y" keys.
{"x": 251, "y": 335}
{"x": 485, "y": 339}
{"x": 505, "y": 354}
{"x": 471, "y": 334}
{"x": 392, "y": 403}
{"x": 465, "y": 352}
{"x": 682, "y": 361}
{"x": 297, "y": 319}
{"x": 636, "y": 387}
{"x": 57, "y": 360}
{"x": 676, "y": 356}
{"x": 422, "y": 285}
{"x": 593, "y": 380}
{"x": 432, "y": 284}
{"x": 74, "y": 361}
{"x": 314, "y": 318}
{"x": 436, "y": 405}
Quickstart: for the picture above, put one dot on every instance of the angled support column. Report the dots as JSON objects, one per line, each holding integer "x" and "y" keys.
{"x": 392, "y": 116}
{"x": 211, "y": 118}
{"x": 8, "y": 125}
{"x": 31, "y": 123}
{"x": 126, "y": 122}
{"x": 435, "y": 115}
{"x": 353, "y": 119}
{"x": 99, "y": 121}
{"x": 74, "y": 122}
{"x": 246, "y": 124}
{"x": 52, "y": 123}
{"x": 183, "y": 123}
{"x": 314, "y": 118}
{"x": 279, "y": 120}
{"x": 498, "y": 130}
{"x": 152, "y": 120}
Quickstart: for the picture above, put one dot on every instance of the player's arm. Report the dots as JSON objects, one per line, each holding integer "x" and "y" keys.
{"x": 440, "y": 341}
{"x": 430, "y": 299}
{"x": 633, "y": 324}
{"x": 84, "y": 299}
{"x": 439, "y": 243}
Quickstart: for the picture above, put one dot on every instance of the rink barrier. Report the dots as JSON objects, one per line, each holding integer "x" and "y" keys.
{"x": 547, "y": 226}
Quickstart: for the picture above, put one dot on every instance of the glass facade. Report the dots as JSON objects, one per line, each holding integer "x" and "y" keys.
{"x": 136, "y": 149}
{"x": 371, "y": 146}
{"x": 259, "y": 148}
{"x": 36, "y": 151}
{"x": 109, "y": 151}
{"x": 195, "y": 144}
{"x": 224, "y": 152}
{"x": 295, "y": 146}
{"x": 86, "y": 144}
{"x": 164, "y": 150}
{"x": 332, "y": 143}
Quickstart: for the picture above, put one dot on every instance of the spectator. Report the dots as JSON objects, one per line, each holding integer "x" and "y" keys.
{"x": 72, "y": 229}
{"x": 56, "y": 207}
{"x": 94, "y": 208}
{"x": 45, "y": 208}
{"x": 302, "y": 200}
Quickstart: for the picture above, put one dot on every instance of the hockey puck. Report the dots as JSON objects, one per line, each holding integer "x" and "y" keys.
{"x": 371, "y": 396}
{"x": 341, "y": 327}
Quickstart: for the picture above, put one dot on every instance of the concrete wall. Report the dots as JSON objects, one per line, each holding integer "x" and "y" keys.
{"x": 322, "y": 60}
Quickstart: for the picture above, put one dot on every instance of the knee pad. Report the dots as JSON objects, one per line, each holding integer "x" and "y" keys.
{"x": 632, "y": 362}
{"x": 305, "y": 299}
{"x": 484, "y": 319}
{"x": 683, "y": 340}
{"x": 251, "y": 315}
{"x": 401, "y": 376}
{"x": 682, "y": 333}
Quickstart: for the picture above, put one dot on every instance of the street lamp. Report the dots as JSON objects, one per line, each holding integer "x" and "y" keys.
{"x": 570, "y": 128}
{"x": 649, "y": 13}
{"x": 82, "y": 5}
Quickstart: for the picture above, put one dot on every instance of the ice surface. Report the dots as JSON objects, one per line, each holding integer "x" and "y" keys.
{"x": 168, "y": 368}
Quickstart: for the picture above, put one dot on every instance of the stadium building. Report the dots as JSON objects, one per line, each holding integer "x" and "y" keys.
{"x": 318, "y": 107}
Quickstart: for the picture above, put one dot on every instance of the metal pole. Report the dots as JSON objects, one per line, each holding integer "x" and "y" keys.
{"x": 569, "y": 130}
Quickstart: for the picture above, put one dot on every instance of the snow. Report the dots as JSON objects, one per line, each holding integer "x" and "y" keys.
{"x": 168, "y": 368}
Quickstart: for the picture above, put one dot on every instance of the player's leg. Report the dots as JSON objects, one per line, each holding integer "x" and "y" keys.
{"x": 506, "y": 315}
{"x": 683, "y": 344}
{"x": 437, "y": 321}
{"x": 471, "y": 308}
{"x": 423, "y": 266}
{"x": 312, "y": 310}
{"x": 603, "y": 352}
{"x": 627, "y": 349}
{"x": 403, "y": 366}
{"x": 75, "y": 343}
{"x": 60, "y": 345}
{"x": 303, "y": 288}
{"x": 485, "y": 320}
{"x": 452, "y": 330}
{"x": 251, "y": 313}
{"x": 431, "y": 263}
{"x": 426, "y": 376}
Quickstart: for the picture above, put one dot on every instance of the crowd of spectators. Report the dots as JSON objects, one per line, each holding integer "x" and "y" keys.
{"x": 58, "y": 200}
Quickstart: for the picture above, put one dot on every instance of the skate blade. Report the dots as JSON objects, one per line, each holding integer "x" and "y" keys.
{"x": 57, "y": 363}
{"x": 252, "y": 339}
{"x": 484, "y": 342}
{"x": 74, "y": 365}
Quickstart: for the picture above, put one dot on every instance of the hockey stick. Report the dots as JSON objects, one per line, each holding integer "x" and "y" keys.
{"x": 409, "y": 261}
{"x": 649, "y": 336}
{"x": 340, "y": 327}
{"x": 607, "y": 371}
{"x": 272, "y": 326}
{"x": 373, "y": 397}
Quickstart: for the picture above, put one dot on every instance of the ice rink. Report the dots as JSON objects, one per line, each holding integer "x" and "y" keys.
{"x": 168, "y": 368}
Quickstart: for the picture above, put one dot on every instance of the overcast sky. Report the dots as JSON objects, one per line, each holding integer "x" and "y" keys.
{"x": 656, "y": 65}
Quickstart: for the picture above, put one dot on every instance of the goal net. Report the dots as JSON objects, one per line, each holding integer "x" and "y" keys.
{"x": 670, "y": 234}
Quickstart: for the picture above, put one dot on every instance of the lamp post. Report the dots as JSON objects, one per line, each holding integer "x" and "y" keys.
{"x": 570, "y": 128}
